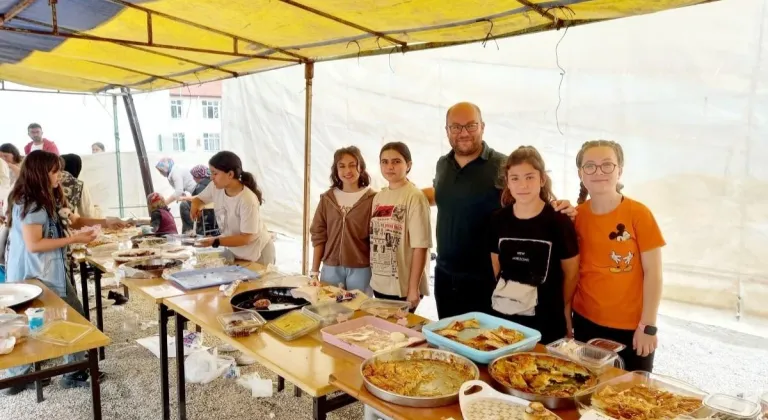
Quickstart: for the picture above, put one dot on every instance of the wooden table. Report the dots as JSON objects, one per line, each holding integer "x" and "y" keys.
{"x": 34, "y": 352}
{"x": 306, "y": 362}
{"x": 350, "y": 381}
{"x": 158, "y": 290}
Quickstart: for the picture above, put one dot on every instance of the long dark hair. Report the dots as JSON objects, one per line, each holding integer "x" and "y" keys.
{"x": 227, "y": 161}
{"x": 531, "y": 156}
{"x": 9, "y": 148}
{"x": 33, "y": 189}
{"x": 401, "y": 148}
{"x": 363, "y": 181}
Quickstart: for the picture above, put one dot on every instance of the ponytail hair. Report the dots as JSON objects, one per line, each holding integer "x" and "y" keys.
{"x": 227, "y": 161}
{"x": 617, "y": 149}
{"x": 531, "y": 156}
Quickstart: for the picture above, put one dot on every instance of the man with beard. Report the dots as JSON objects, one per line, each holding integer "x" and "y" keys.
{"x": 467, "y": 190}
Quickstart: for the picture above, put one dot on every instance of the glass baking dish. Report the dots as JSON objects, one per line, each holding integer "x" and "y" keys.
{"x": 584, "y": 400}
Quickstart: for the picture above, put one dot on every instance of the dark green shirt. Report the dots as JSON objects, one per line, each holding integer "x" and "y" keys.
{"x": 465, "y": 199}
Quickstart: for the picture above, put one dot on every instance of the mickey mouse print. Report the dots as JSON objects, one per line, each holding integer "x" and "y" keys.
{"x": 623, "y": 259}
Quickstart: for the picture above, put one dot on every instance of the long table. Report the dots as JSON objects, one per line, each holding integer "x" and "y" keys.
{"x": 34, "y": 352}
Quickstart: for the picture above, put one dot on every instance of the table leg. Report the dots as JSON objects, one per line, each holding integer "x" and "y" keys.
{"x": 84, "y": 287}
{"x": 180, "y": 387}
{"x": 93, "y": 360}
{"x": 164, "y": 386}
{"x": 296, "y": 391}
{"x": 319, "y": 410}
{"x": 126, "y": 293}
{"x": 280, "y": 384}
{"x": 99, "y": 312}
{"x": 38, "y": 384}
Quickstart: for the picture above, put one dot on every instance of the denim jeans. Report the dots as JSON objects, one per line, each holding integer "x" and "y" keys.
{"x": 351, "y": 278}
{"x": 70, "y": 298}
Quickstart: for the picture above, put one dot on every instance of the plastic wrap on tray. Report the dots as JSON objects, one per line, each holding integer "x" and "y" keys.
{"x": 241, "y": 324}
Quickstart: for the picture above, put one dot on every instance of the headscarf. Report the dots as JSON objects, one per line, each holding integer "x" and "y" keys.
{"x": 165, "y": 165}
{"x": 73, "y": 164}
{"x": 200, "y": 171}
{"x": 155, "y": 202}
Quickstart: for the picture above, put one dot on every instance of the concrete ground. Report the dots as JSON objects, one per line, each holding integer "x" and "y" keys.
{"x": 714, "y": 358}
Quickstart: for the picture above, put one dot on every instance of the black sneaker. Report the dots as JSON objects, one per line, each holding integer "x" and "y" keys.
{"x": 79, "y": 379}
{"x": 20, "y": 388}
{"x": 117, "y": 297}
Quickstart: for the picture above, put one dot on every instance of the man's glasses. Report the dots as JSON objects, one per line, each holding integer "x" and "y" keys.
{"x": 605, "y": 167}
{"x": 456, "y": 128}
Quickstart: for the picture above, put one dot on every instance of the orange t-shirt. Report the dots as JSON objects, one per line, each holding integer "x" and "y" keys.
{"x": 610, "y": 288}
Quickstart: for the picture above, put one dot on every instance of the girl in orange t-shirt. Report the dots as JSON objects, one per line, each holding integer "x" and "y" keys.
{"x": 620, "y": 275}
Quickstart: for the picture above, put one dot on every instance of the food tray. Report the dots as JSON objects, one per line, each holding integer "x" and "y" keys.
{"x": 497, "y": 405}
{"x": 419, "y": 354}
{"x": 254, "y": 320}
{"x": 281, "y": 301}
{"x": 487, "y": 322}
{"x": 202, "y": 254}
{"x": 551, "y": 402}
{"x": 628, "y": 380}
{"x": 62, "y": 333}
{"x": 606, "y": 344}
{"x": 329, "y": 333}
{"x": 595, "y": 358}
{"x": 308, "y": 324}
{"x": 209, "y": 277}
{"x": 328, "y": 313}
{"x": 384, "y": 308}
{"x": 727, "y": 407}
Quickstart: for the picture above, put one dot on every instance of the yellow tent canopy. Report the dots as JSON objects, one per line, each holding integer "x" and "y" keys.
{"x": 95, "y": 45}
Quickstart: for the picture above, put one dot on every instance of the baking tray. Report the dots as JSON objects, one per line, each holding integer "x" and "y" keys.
{"x": 487, "y": 322}
{"x": 415, "y": 354}
{"x": 552, "y": 403}
{"x": 584, "y": 400}
{"x": 280, "y": 298}
{"x": 329, "y": 333}
{"x": 209, "y": 277}
{"x": 15, "y": 294}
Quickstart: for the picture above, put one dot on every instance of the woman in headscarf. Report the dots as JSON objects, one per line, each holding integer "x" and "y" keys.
{"x": 77, "y": 193}
{"x": 162, "y": 220}
{"x": 181, "y": 181}
{"x": 202, "y": 176}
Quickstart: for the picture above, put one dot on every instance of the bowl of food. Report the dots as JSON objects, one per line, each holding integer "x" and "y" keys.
{"x": 550, "y": 380}
{"x": 269, "y": 302}
{"x": 154, "y": 266}
{"x": 418, "y": 377}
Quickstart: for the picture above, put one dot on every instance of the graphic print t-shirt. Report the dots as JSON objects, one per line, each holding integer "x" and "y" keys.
{"x": 530, "y": 253}
{"x": 347, "y": 200}
{"x": 610, "y": 289}
{"x": 399, "y": 222}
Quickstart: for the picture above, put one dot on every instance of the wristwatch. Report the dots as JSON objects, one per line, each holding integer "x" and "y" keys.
{"x": 648, "y": 329}
{"x": 216, "y": 243}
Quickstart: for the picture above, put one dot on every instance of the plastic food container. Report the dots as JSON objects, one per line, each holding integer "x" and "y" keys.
{"x": 328, "y": 313}
{"x": 726, "y": 407}
{"x": 62, "y": 333}
{"x": 606, "y": 344}
{"x": 595, "y": 358}
{"x": 487, "y": 322}
{"x": 631, "y": 379}
{"x": 384, "y": 308}
{"x": 293, "y": 325}
{"x": 241, "y": 324}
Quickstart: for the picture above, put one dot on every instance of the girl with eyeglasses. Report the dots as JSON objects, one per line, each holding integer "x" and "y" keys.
{"x": 620, "y": 273}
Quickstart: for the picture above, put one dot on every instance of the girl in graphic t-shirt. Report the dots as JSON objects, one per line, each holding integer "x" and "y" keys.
{"x": 237, "y": 204}
{"x": 400, "y": 231}
{"x": 340, "y": 225}
{"x": 620, "y": 276}
{"x": 534, "y": 250}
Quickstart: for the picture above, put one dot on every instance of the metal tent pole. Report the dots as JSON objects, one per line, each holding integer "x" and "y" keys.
{"x": 138, "y": 140}
{"x": 117, "y": 158}
{"x": 309, "y": 74}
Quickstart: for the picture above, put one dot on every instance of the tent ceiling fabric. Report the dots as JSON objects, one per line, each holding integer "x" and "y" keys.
{"x": 94, "y": 45}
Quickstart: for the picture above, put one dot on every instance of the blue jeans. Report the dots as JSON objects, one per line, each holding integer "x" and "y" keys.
{"x": 351, "y": 278}
{"x": 71, "y": 298}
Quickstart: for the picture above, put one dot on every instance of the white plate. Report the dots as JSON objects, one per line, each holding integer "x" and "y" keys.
{"x": 486, "y": 392}
{"x": 12, "y": 294}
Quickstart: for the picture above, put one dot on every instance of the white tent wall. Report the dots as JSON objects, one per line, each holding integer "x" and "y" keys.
{"x": 684, "y": 91}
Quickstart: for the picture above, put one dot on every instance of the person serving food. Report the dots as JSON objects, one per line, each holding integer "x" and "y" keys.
{"x": 237, "y": 204}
